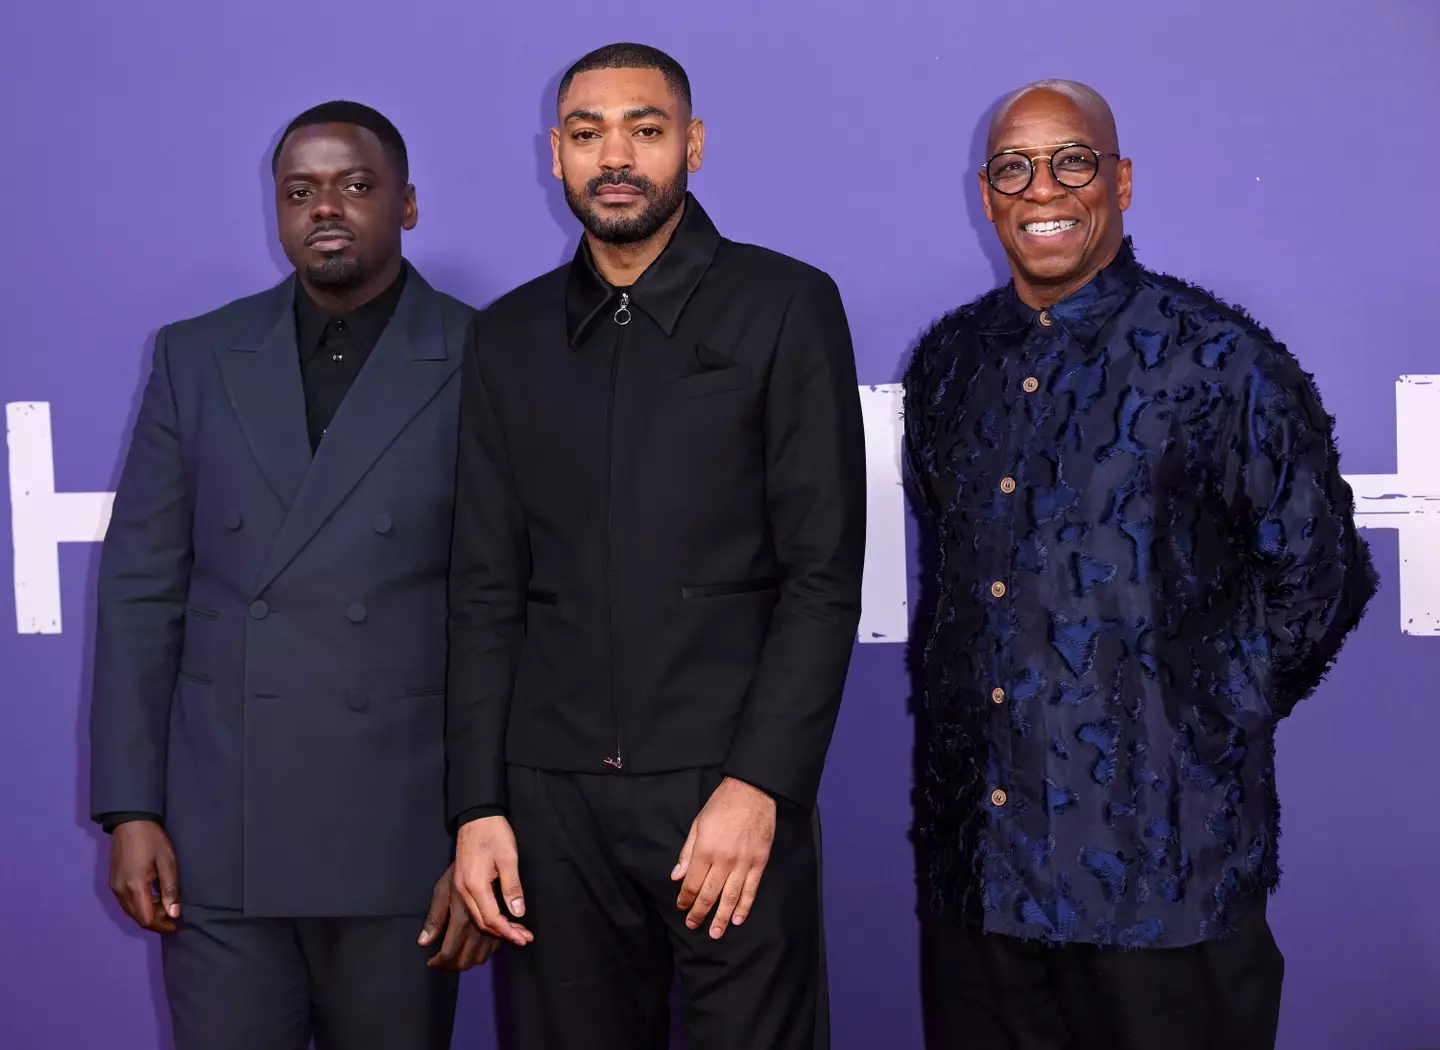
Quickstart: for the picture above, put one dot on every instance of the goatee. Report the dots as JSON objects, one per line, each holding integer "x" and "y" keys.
{"x": 662, "y": 201}
{"x": 336, "y": 273}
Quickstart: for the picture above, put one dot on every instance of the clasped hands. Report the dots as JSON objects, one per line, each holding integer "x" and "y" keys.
{"x": 719, "y": 867}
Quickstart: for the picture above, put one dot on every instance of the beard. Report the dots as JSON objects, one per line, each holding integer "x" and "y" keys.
{"x": 662, "y": 201}
{"x": 335, "y": 273}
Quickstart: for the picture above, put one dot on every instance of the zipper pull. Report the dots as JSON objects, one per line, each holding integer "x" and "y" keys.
{"x": 622, "y": 315}
{"x": 615, "y": 762}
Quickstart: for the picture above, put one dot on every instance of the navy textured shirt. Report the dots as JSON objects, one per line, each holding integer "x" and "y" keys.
{"x": 1146, "y": 556}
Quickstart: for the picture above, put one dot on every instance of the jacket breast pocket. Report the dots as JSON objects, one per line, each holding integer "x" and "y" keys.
{"x": 717, "y": 381}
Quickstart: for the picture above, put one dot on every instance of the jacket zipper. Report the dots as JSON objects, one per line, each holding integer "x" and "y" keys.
{"x": 622, "y": 318}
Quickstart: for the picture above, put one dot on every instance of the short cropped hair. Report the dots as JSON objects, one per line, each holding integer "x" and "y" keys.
{"x": 361, "y": 116}
{"x": 630, "y": 56}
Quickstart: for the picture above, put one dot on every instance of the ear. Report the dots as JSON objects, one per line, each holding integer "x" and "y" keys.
{"x": 694, "y": 145}
{"x": 409, "y": 209}
{"x": 985, "y": 195}
{"x": 1123, "y": 174}
{"x": 555, "y": 168}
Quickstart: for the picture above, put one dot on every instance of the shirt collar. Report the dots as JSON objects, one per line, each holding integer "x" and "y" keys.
{"x": 366, "y": 322}
{"x": 1084, "y": 311}
{"x": 662, "y": 290}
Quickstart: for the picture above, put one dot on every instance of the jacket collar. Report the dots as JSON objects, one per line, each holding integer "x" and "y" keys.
{"x": 1084, "y": 311}
{"x": 662, "y": 290}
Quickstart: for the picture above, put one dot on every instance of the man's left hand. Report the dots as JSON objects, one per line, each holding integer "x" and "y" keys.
{"x": 725, "y": 855}
{"x": 465, "y": 944}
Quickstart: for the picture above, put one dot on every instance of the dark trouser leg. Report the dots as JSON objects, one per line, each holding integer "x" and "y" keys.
{"x": 371, "y": 989}
{"x": 1219, "y": 995}
{"x": 986, "y": 992}
{"x": 236, "y": 983}
{"x": 755, "y": 988}
{"x": 822, "y": 997}
{"x": 597, "y": 976}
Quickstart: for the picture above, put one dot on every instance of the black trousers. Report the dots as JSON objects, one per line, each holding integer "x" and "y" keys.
{"x": 991, "y": 992}
{"x": 595, "y": 858}
{"x": 275, "y": 984}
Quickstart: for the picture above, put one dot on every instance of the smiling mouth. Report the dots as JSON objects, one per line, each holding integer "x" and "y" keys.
{"x": 1049, "y": 229}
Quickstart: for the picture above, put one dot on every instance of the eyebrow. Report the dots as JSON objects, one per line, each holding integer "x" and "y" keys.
{"x": 308, "y": 175}
{"x": 638, "y": 113}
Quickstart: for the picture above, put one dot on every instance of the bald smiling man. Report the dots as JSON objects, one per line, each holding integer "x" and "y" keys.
{"x": 1148, "y": 559}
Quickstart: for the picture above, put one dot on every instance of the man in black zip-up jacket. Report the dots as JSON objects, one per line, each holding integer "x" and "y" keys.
{"x": 655, "y": 587}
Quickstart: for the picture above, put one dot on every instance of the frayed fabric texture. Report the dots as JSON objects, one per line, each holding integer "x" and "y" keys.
{"x": 1147, "y": 557}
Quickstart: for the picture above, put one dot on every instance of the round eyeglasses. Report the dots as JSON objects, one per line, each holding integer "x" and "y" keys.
{"x": 1072, "y": 165}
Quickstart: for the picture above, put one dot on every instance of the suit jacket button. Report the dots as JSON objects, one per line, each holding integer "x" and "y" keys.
{"x": 356, "y": 612}
{"x": 259, "y": 610}
{"x": 359, "y": 702}
{"x": 382, "y": 523}
{"x": 233, "y": 520}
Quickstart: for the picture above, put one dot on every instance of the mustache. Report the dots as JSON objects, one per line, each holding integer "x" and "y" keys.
{"x": 328, "y": 230}
{"x": 619, "y": 178}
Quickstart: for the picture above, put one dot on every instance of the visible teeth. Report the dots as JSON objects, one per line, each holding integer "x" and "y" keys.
{"x": 1049, "y": 229}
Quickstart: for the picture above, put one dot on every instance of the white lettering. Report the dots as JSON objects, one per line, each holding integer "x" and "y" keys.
{"x": 1408, "y": 501}
{"x": 41, "y": 519}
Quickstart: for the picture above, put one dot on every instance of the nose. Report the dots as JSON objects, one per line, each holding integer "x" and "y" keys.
{"x": 1043, "y": 188}
{"x": 326, "y": 204}
{"x": 617, "y": 153}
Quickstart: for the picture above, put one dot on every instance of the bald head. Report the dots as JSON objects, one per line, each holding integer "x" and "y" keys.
{"x": 1043, "y": 95}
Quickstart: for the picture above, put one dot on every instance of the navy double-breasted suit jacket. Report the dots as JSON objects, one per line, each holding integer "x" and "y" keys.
{"x": 270, "y": 659}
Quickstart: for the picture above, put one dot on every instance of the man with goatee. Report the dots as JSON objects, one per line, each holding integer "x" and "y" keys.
{"x": 655, "y": 587}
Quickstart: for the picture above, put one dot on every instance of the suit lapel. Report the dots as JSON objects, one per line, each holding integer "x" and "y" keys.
{"x": 406, "y": 369}
{"x": 261, "y": 372}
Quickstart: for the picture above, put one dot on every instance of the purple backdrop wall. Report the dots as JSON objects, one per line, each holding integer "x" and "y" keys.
{"x": 134, "y": 173}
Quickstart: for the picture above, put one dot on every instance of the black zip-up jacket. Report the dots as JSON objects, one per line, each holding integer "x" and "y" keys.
{"x": 660, "y": 524}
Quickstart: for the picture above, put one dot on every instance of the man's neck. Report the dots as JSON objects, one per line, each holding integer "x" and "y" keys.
{"x": 622, "y": 264}
{"x": 1041, "y": 296}
{"x": 340, "y": 303}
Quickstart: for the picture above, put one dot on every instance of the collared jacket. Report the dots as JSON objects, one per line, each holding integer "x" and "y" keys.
{"x": 660, "y": 523}
{"x": 1146, "y": 557}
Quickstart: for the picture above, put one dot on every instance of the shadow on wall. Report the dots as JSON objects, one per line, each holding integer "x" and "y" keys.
{"x": 99, "y": 840}
{"x": 554, "y": 192}
{"x": 975, "y": 207}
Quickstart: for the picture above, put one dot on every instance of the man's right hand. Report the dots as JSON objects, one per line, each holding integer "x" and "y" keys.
{"x": 142, "y": 859}
{"x": 484, "y": 852}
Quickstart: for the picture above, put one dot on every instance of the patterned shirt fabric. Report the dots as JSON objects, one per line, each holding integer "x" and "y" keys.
{"x": 1146, "y": 557}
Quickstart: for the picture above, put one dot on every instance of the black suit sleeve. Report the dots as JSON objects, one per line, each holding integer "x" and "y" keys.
{"x": 815, "y": 484}
{"x": 144, "y": 580}
{"x": 489, "y": 571}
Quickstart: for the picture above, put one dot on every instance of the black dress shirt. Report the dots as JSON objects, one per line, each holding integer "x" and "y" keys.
{"x": 660, "y": 523}
{"x": 1147, "y": 558}
{"x": 332, "y": 352}
{"x": 334, "y": 349}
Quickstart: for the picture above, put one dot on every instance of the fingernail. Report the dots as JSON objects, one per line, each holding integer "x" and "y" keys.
{"x": 738, "y": 920}
{"x": 692, "y": 924}
{"x": 675, "y": 872}
{"x": 517, "y": 907}
{"x": 715, "y": 932}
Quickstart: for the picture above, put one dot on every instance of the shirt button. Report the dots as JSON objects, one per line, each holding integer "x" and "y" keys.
{"x": 356, "y": 612}
{"x": 359, "y": 701}
{"x": 381, "y": 523}
{"x": 998, "y": 797}
{"x": 337, "y": 357}
{"x": 1007, "y": 485}
{"x": 233, "y": 520}
{"x": 259, "y": 610}
{"x": 998, "y": 695}
{"x": 998, "y": 589}
{"x": 339, "y": 326}
{"x": 1045, "y": 318}
{"x": 1031, "y": 384}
